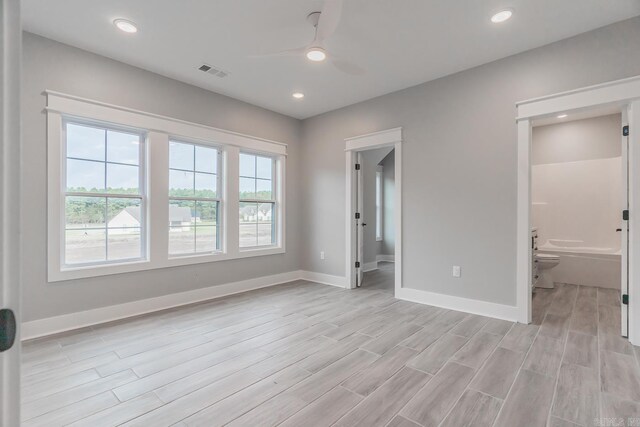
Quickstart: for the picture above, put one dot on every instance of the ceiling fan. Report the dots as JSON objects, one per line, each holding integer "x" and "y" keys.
{"x": 325, "y": 23}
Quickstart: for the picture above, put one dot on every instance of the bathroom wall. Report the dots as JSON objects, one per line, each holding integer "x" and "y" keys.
{"x": 577, "y": 184}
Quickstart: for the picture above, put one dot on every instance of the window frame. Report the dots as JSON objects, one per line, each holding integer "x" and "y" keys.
{"x": 220, "y": 173}
{"x": 159, "y": 130}
{"x": 142, "y": 195}
{"x": 275, "y": 211}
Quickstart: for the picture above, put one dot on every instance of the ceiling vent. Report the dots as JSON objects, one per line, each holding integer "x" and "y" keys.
{"x": 213, "y": 70}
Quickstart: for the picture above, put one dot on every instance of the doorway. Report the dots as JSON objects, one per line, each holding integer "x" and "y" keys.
{"x": 619, "y": 97}
{"x": 375, "y": 175}
{"x": 579, "y": 187}
{"x": 373, "y": 220}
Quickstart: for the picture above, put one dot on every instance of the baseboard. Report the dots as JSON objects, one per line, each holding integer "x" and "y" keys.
{"x": 67, "y": 322}
{"x": 385, "y": 258}
{"x": 370, "y": 266}
{"x": 483, "y": 308}
{"x": 325, "y": 279}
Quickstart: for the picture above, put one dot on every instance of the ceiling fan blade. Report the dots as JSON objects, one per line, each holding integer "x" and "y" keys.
{"x": 329, "y": 19}
{"x": 348, "y": 67}
{"x": 289, "y": 52}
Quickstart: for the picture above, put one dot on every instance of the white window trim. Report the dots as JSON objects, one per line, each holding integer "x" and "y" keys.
{"x": 159, "y": 130}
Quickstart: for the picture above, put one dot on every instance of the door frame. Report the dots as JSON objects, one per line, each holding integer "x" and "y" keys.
{"x": 623, "y": 94}
{"x": 10, "y": 146}
{"x": 354, "y": 145}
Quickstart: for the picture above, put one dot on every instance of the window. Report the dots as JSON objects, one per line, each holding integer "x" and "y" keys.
{"x": 257, "y": 201}
{"x": 104, "y": 205}
{"x": 194, "y": 202}
{"x": 133, "y": 191}
{"x": 379, "y": 204}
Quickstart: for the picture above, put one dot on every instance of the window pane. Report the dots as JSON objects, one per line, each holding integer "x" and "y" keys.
{"x": 181, "y": 183}
{"x": 248, "y": 235}
{"x": 206, "y": 213}
{"x": 181, "y": 240}
{"x": 123, "y": 179}
{"x": 264, "y": 189}
{"x": 181, "y": 213}
{"x": 123, "y": 147}
{"x": 247, "y": 165}
{"x": 206, "y": 159}
{"x": 206, "y": 184}
{"x": 122, "y": 213}
{"x": 247, "y": 188}
{"x": 265, "y": 212}
{"x": 265, "y": 234}
{"x": 264, "y": 167}
{"x": 85, "y": 212}
{"x": 124, "y": 243}
{"x": 181, "y": 156}
{"x": 206, "y": 238}
{"x": 85, "y": 176}
{"x": 84, "y": 246}
{"x": 248, "y": 212}
{"x": 85, "y": 142}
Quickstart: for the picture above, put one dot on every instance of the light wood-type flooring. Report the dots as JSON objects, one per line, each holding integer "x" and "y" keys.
{"x": 304, "y": 354}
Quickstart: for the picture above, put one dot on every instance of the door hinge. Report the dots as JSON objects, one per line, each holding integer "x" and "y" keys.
{"x": 357, "y": 166}
{"x": 625, "y": 299}
{"x": 357, "y": 215}
{"x": 625, "y": 130}
{"x": 7, "y": 329}
{"x": 625, "y": 215}
{"x": 357, "y": 264}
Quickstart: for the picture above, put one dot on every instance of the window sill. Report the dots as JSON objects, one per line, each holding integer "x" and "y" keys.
{"x": 144, "y": 265}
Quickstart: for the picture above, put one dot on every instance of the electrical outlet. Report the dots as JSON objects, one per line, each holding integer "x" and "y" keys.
{"x": 457, "y": 271}
{"x": 321, "y": 254}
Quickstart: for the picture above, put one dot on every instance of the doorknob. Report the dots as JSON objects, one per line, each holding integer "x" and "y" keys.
{"x": 7, "y": 329}
{"x": 363, "y": 224}
{"x": 618, "y": 229}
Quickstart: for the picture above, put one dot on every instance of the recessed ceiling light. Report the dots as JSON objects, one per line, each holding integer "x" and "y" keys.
{"x": 562, "y": 116}
{"x": 125, "y": 25}
{"x": 502, "y": 16}
{"x": 316, "y": 54}
{"x": 298, "y": 95}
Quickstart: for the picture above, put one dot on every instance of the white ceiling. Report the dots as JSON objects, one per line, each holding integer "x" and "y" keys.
{"x": 400, "y": 43}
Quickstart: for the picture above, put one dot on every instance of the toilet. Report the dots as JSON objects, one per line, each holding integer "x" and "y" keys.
{"x": 545, "y": 263}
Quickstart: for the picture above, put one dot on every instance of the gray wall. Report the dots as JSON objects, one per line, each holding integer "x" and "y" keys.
{"x": 587, "y": 139}
{"x": 459, "y": 162}
{"x": 388, "y": 244}
{"x": 51, "y": 65}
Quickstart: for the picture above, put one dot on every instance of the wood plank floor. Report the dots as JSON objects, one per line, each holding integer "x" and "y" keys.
{"x": 303, "y": 354}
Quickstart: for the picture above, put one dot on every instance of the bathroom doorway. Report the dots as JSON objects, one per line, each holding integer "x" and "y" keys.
{"x": 620, "y": 306}
{"x": 579, "y": 186}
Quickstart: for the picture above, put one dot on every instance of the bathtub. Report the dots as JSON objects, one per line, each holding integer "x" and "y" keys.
{"x": 584, "y": 265}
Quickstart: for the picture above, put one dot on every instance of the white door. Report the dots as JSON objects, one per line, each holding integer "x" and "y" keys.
{"x": 359, "y": 221}
{"x": 624, "y": 229}
{"x": 10, "y": 48}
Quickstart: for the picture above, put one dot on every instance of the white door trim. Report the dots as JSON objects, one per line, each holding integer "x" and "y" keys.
{"x": 385, "y": 138}
{"x": 10, "y": 146}
{"x": 622, "y": 94}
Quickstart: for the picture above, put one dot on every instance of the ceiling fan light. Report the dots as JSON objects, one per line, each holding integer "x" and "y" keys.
{"x": 316, "y": 54}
